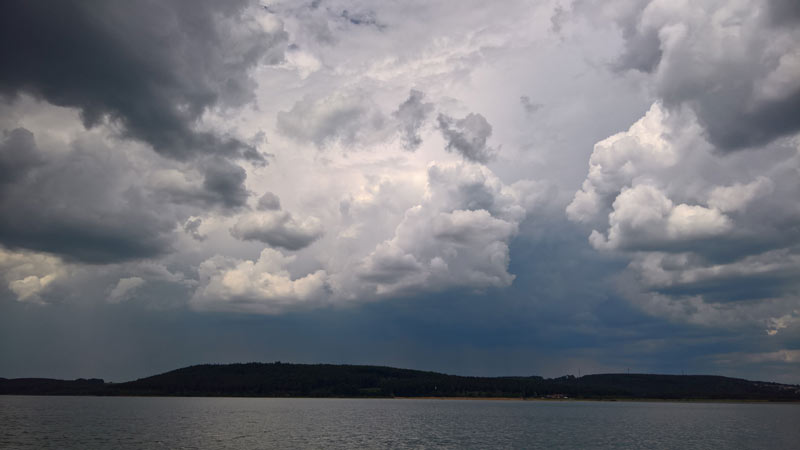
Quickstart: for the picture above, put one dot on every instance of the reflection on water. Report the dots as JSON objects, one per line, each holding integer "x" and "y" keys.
{"x": 244, "y": 423}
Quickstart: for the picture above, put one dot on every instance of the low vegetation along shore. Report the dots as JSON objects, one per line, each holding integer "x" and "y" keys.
{"x": 326, "y": 380}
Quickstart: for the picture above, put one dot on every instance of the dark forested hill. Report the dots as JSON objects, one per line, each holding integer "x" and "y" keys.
{"x": 47, "y": 386}
{"x": 325, "y": 380}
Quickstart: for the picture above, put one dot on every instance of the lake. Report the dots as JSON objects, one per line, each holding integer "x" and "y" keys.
{"x": 255, "y": 423}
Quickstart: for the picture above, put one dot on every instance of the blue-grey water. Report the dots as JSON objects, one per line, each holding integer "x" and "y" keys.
{"x": 256, "y": 423}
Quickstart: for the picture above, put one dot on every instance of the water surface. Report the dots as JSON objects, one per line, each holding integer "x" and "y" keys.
{"x": 256, "y": 423}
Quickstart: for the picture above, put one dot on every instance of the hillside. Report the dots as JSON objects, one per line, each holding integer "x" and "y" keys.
{"x": 325, "y": 380}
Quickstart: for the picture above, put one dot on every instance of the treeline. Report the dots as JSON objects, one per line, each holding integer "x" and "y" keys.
{"x": 326, "y": 380}
{"x": 47, "y": 386}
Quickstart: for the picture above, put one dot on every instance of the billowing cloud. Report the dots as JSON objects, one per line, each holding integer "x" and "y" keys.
{"x": 456, "y": 237}
{"x": 464, "y": 248}
{"x": 467, "y": 136}
{"x": 617, "y": 160}
{"x": 713, "y": 238}
{"x": 151, "y": 68}
{"x": 729, "y": 61}
{"x": 643, "y": 216}
{"x": 263, "y": 286}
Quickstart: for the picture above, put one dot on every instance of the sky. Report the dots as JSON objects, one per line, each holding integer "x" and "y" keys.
{"x": 477, "y": 188}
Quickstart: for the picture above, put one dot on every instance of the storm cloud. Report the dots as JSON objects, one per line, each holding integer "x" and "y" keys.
{"x": 153, "y": 68}
{"x": 736, "y": 68}
{"x": 77, "y": 203}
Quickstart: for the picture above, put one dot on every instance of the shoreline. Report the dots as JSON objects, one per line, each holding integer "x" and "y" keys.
{"x": 497, "y": 399}
{"x": 609, "y": 400}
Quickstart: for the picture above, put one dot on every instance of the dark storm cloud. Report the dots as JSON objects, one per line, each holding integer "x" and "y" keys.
{"x": 642, "y": 50}
{"x": 467, "y": 136}
{"x": 224, "y": 184}
{"x": 152, "y": 67}
{"x": 784, "y": 12}
{"x": 18, "y": 155}
{"x": 412, "y": 114}
{"x": 76, "y": 204}
{"x": 731, "y": 126}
